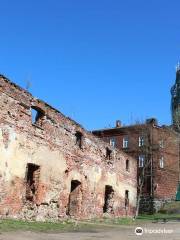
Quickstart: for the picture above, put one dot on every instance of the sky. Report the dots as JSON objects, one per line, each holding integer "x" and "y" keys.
{"x": 94, "y": 60}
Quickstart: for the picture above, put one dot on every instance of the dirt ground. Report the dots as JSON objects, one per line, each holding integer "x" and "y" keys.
{"x": 105, "y": 233}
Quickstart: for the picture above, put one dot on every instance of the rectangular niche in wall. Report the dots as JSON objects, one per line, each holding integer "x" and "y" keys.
{"x": 32, "y": 181}
{"x": 108, "y": 199}
{"x": 75, "y": 198}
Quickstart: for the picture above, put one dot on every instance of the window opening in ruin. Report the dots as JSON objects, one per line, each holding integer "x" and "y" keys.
{"x": 125, "y": 142}
{"x": 32, "y": 181}
{"x": 127, "y": 165}
{"x": 75, "y": 198}
{"x": 37, "y": 116}
{"x": 108, "y": 154}
{"x": 126, "y": 198}
{"x": 141, "y": 160}
{"x": 108, "y": 199}
{"x": 79, "y": 139}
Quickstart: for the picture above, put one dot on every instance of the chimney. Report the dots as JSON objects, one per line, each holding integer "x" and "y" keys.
{"x": 118, "y": 123}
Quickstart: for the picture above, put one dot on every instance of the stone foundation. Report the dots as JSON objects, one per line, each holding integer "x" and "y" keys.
{"x": 146, "y": 205}
{"x": 150, "y": 205}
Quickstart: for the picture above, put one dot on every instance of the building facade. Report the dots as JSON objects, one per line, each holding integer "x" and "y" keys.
{"x": 52, "y": 168}
{"x": 156, "y": 149}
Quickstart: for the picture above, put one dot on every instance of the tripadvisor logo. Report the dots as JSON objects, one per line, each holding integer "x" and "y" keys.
{"x": 139, "y": 231}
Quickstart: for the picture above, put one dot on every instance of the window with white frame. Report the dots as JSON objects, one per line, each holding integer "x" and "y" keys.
{"x": 141, "y": 141}
{"x": 141, "y": 160}
{"x": 161, "y": 162}
{"x": 112, "y": 142}
{"x": 125, "y": 142}
{"x": 161, "y": 143}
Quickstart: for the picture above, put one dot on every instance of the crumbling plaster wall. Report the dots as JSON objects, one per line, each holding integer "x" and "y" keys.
{"x": 53, "y": 147}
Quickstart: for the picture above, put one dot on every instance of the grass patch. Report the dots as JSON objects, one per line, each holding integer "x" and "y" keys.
{"x": 139, "y": 220}
{"x": 119, "y": 221}
{"x": 81, "y": 226}
{"x": 66, "y": 226}
{"x": 17, "y": 225}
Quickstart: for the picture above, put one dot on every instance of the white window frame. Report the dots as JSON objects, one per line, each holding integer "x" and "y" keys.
{"x": 112, "y": 142}
{"x": 161, "y": 162}
{"x": 141, "y": 161}
{"x": 125, "y": 142}
{"x": 141, "y": 141}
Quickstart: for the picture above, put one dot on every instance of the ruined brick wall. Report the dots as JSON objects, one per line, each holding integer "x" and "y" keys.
{"x": 52, "y": 168}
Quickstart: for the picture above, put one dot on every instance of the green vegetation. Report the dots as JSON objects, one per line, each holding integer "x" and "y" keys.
{"x": 111, "y": 221}
{"x": 82, "y": 226}
{"x": 139, "y": 220}
{"x": 65, "y": 226}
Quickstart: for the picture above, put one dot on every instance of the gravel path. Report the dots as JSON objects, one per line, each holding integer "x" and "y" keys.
{"x": 110, "y": 233}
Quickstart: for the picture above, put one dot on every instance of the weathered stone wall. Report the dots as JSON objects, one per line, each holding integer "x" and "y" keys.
{"x": 150, "y": 205}
{"x": 146, "y": 205}
{"x": 65, "y": 154}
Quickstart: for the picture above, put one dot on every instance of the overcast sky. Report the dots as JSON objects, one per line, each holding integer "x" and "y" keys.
{"x": 94, "y": 60}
